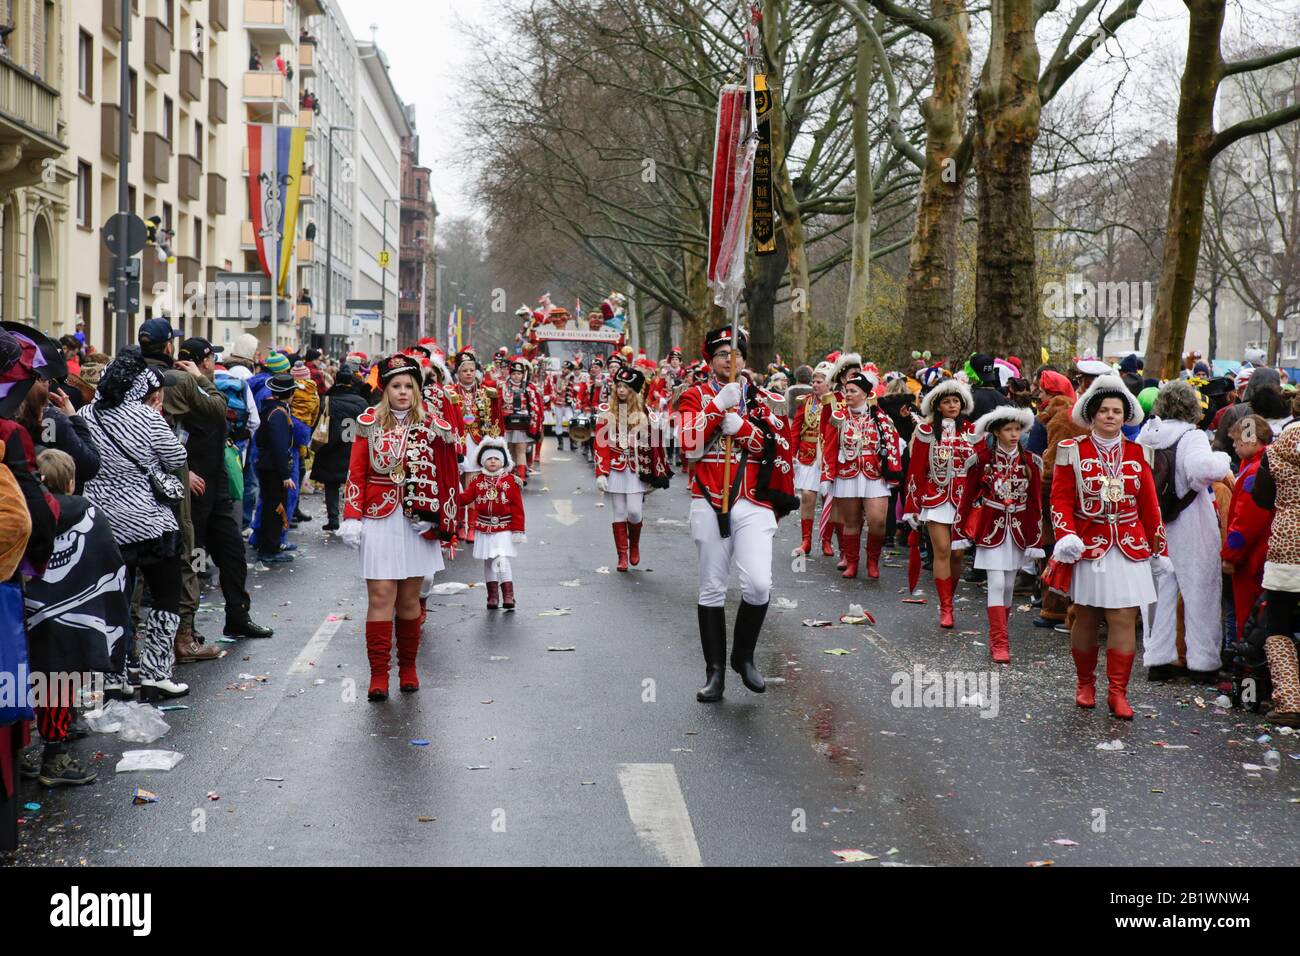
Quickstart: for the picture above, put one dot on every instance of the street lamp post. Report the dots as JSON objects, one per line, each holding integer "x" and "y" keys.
{"x": 329, "y": 228}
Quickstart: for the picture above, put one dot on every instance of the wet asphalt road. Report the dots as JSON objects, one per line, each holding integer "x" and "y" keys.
{"x": 525, "y": 744}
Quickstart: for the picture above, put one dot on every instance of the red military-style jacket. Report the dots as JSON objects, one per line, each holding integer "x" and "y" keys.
{"x": 444, "y": 405}
{"x": 412, "y": 467}
{"x": 1008, "y": 488}
{"x": 1246, "y": 544}
{"x": 479, "y": 411}
{"x": 633, "y": 445}
{"x": 1107, "y": 512}
{"x": 702, "y": 440}
{"x": 496, "y": 501}
{"x": 530, "y": 403}
{"x": 863, "y": 444}
{"x": 937, "y": 466}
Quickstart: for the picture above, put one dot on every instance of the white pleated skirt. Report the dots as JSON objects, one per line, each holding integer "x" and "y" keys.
{"x": 518, "y": 438}
{"x": 493, "y": 544}
{"x": 807, "y": 477}
{"x": 392, "y": 550}
{"x": 1113, "y": 580}
{"x": 944, "y": 514}
{"x": 1005, "y": 557}
{"x": 861, "y": 487}
{"x": 625, "y": 482}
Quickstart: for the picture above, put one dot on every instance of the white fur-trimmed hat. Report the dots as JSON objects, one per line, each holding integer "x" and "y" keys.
{"x": 494, "y": 446}
{"x": 826, "y": 369}
{"x": 991, "y": 421}
{"x": 843, "y": 362}
{"x": 1106, "y": 386}
{"x": 949, "y": 386}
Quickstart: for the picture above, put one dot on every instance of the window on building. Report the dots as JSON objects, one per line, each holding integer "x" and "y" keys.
{"x": 85, "y": 65}
{"x": 83, "y": 315}
{"x": 198, "y": 239}
{"x": 1292, "y": 348}
{"x": 134, "y": 100}
{"x": 198, "y": 141}
{"x": 84, "y": 195}
{"x": 130, "y": 197}
{"x": 167, "y": 215}
{"x": 167, "y": 118}
{"x": 169, "y": 15}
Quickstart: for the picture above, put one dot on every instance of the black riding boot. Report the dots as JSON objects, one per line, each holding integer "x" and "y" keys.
{"x": 749, "y": 621}
{"x": 713, "y": 641}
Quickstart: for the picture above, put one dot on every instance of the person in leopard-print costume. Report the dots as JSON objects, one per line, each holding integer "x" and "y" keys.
{"x": 1277, "y": 487}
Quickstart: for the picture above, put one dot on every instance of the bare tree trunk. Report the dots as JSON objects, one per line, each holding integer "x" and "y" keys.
{"x": 932, "y": 261}
{"x": 761, "y": 298}
{"x": 860, "y": 272}
{"x": 1275, "y": 334}
{"x": 1187, "y": 193}
{"x": 695, "y": 323}
{"x": 1213, "y": 347}
{"x": 787, "y": 203}
{"x": 1008, "y": 106}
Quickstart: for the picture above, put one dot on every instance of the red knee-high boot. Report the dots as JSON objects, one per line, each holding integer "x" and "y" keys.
{"x": 828, "y": 549}
{"x": 471, "y": 518}
{"x": 634, "y": 543}
{"x": 1085, "y": 672}
{"x": 408, "y": 646}
{"x": 875, "y": 542}
{"x": 1119, "y": 667}
{"x": 379, "y": 650}
{"x": 805, "y": 529}
{"x": 424, "y": 610}
{"x": 620, "y": 543}
{"x": 850, "y": 545}
{"x": 999, "y": 640}
{"x": 945, "y": 587}
{"x": 839, "y": 536}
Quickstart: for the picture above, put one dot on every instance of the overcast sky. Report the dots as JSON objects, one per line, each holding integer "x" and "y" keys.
{"x": 426, "y": 55}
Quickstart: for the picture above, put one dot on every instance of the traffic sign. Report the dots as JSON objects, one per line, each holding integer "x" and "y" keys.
{"x": 128, "y": 224}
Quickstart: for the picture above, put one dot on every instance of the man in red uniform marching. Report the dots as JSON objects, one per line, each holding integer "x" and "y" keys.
{"x": 762, "y": 490}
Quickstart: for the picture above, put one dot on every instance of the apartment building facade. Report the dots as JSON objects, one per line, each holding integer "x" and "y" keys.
{"x": 417, "y": 305}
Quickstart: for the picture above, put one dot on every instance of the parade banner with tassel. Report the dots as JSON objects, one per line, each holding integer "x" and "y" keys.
{"x": 764, "y": 212}
{"x": 275, "y": 158}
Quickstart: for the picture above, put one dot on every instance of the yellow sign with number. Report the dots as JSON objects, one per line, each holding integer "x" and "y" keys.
{"x": 384, "y": 259}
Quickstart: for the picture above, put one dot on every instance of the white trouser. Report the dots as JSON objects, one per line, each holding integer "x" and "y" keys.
{"x": 1201, "y": 587}
{"x": 497, "y": 568}
{"x": 627, "y": 507}
{"x": 1001, "y": 584}
{"x": 750, "y": 547}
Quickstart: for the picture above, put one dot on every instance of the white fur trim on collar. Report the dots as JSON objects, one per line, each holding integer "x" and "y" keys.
{"x": 949, "y": 386}
{"x": 1111, "y": 385}
{"x": 995, "y": 419}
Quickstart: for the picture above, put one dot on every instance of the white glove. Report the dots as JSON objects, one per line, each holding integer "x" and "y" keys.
{"x": 602, "y": 483}
{"x": 1034, "y": 554}
{"x": 421, "y": 526}
{"x": 728, "y": 397}
{"x": 912, "y": 520}
{"x": 350, "y": 532}
{"x": 731, "y": 423}
{"x": 825, "y": 488}
{"x": 1069, "y": 549}
{"x": 960, "y": 544}
{"x": 1160, "y": 564}
{"x": 518, "y": 537}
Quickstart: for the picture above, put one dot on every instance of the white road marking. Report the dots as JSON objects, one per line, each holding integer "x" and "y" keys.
{"x": 564, "y": 512}
{"x": 315, "y": 647}
{"x": 658, "y": 811}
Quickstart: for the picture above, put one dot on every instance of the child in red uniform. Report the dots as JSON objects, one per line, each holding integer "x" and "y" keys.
{"x": 498, "y": 508}
{"x": 1248, "y": 524}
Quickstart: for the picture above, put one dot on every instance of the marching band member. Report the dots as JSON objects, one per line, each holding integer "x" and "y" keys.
{"x": 762, "y": 478}
{"x": 629, "y": 453}
{"x": 479, "y": 410}
{"x": 494, "y": 495}
{"x": 1000, "y": 512}
{"x": 805, "y": 433}
{"x": 521, "y": 414}
{"x": 1106, "y": 515}
{"x": 842, "y": 365}
{"x": 941, "y": 446}
{"x": 862, "y": 457}
{"x": 399, "y": 506}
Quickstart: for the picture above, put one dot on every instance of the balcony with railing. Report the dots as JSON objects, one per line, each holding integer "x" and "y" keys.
{"x": 266, "y": 86}
{"x": 219, "y": 15}
{"x": 307, "y": 57}
{"x": 216, "y": 194}
{"x": 189, "y": 177}
{"x": 306, "y": 189}
{"x": 270, "y": 21}
{"x": 157, "y": 46}
{"x": 188, "y": 270}
{"x": 217, "y": 95}
{"x": 191, "y": 78}
{"x": 29, "y": 114}
{"x": 112, "y": 12}
{"x": 109, "y": 131}
{"x": 157, "y": 158}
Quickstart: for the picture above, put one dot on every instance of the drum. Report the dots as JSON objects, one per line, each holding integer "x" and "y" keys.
{"x": 581, "y": 427}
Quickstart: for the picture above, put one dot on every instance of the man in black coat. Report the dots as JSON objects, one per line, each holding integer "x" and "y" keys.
{"x": 275, "y": 468}
{"x": 987, "y": 389}
{"x": 346, "y": 400}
